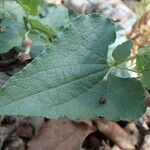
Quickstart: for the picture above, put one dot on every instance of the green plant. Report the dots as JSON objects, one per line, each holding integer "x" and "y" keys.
{"x": 74, "y": 76}
{"x": 40, "y": 22}
{"x": 142, "y": 8}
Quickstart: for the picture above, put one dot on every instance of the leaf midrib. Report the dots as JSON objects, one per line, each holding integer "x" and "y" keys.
{"x": 54, "y": 88}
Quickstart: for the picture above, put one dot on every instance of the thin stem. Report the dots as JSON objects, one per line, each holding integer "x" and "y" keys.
{"x": 26, "y": 35}
{"x": 27, "y": 50}
{"x": 105, "y": 78}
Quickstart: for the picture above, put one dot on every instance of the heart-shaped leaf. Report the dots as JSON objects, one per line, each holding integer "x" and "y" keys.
{"x": 68, "y": 78}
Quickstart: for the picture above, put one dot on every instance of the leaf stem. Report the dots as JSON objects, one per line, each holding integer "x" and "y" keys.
{"x": 126, "y": 69}
{"x": 105, "y": 78}
{"x": 26, "y": 35}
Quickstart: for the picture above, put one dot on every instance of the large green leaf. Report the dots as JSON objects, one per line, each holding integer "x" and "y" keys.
{"x": 11, "y": 36}
{"x": 30, "y": 6}
{"x": 143, "y": 65}
{"x": 68, "y": 78}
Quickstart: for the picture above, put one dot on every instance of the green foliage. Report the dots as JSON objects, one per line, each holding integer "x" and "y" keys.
{"x": 30, "y": 6}
{"x": 43, "y": 27}
{"x": 35, "y": 24}
{"x": 142, "y": 8}
{"x": 57, "y": 17}
{"x": 72, "y": 78}
{"x": 11, "y": 35}
{"x": 39, "y": 43}
{"x": 143, "y": 65}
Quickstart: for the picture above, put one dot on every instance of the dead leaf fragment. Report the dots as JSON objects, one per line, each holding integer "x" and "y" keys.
{"x": 25, "y": 130}
{"x": 132, "y": 129}
{"x": 61, "y": 134}
{"x": 146, "y": 143}
{"x": 115, "y": 133}
{"x": 14, "y": 143}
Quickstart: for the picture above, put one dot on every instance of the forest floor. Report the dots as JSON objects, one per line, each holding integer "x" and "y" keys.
{"x": 36, "y": 133}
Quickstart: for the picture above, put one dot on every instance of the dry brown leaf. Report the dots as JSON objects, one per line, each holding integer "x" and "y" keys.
{"x": 132, "y": 129}
{"x": 61, "y": 134}
{"x": 146, "y": 143}
{"x": 115, "y": 133}
{"x": 115, "y": 147}
{"x": 36, "y": 122}
{"x": 25, "y": 130}
{"x": 140, "y": 33}
{"x": 105, "y": 146}
{"x": 14, "y": 143}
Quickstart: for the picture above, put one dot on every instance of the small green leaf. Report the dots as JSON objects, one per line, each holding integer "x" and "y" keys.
{"x": 120, "y": 38}
{"x": 12, "y": 35}
{"x": 143, "y": 65}
{"x": 30, "y": 6}
{"x": 122, "y": 52}
{"x": 67, "y": 79}
{"x": 35, "y": 24}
